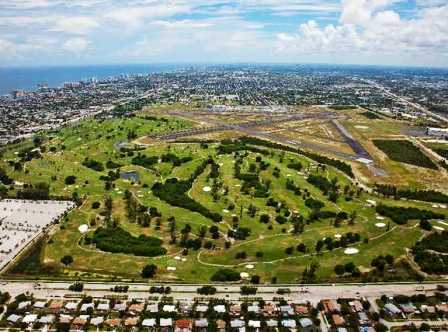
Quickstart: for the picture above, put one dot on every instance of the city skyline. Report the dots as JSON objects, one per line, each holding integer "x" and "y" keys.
{"x": 378, "y": 32}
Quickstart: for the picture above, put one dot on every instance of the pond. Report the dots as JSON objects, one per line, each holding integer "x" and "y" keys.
{"x": 131, "y": 176}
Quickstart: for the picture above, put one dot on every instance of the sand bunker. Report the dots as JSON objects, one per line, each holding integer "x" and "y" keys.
{"x": 244, "y": 275}
{"x": 338, "y": 236}
{"x": 439, "y": 228}
{"x": 225, "y": 211}
{"x": 361, "y": 127}
{"x": 380, "y": 218}
{"x": 380, "y": 225}
{"x": 249, "y": 266}
{"x": 83, "y": 229}
{"x": 351, "y": 251}
{"x": 207, "y": 189}
{"x": 171, "y": 268}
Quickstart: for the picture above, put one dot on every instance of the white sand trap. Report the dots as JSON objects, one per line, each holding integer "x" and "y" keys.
{"x": 83, "y": 229}
{"x": 380, "y": 225}
{"x": 361, "y": 127}
{"x": 442, "y": 206}
{"x": 234, "y": 215}
{"x": 435, "y": 206}
{"x": 237, "y": 185}
{"x": 249, "y": 266}
{"x": 140, "y": 196}
{"x": 338, "y": 236}
{"x": 442, "y": 223}
{"x": 171, "y": 268}
{"x": 207, "y": 189}
{"x": 371, "y": 202}
{"x": 439, "y": 228}
{"x": 177, "y": 258}
{"x": 288, "y": 175}
{"x": 380, "y": 218}
{"x": 244, "y": 275}
{"x": 221, "y": 164}
{"x": 351, "y": 251}
{"x": 184, "y": 259}
{"x": 225, "y": 211}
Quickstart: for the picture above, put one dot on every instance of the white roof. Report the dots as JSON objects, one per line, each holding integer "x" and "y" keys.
{"x": 47, "y": 319}
{"x": 71, "y": 305}
{"x": 103, "y": 306}
{"x": 306, "y": 322}
{"x": 166, "y": 322}
{"x": 97, "y": 321}
{"x": 289, "y": 323}
{"x": 254, "y": 323}
{"x": 201, "y": 322}
{"x": 149, "y": 322}
{"x": 272, "y": 323}
{"x": 14, "y": 318}
{"x": 201, "y": 308}
{"x": 86, "y": 306}
{"x": 23, "y": 305}
{"x": 153, "y": 307}
{"x": 39, "y": 304}
{"x": 253, "y": 308}
{"x": 237, "y": 323}
{"x": 29, "y": 319}
{"x": 169, "y": 308}
{"x": 220, "y": 308}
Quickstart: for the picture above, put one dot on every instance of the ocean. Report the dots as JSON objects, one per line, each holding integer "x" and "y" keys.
{"x": 28, "y": 78}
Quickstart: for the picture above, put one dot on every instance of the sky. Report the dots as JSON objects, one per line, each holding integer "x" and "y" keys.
{"x": 80, "y": 32}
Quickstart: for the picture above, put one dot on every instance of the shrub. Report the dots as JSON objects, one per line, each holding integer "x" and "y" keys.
{"x": 149, "y": 271}
{"x": 67, "y": 260}
{"x": 71, "y": 179}
{"x": 226, "y": 275}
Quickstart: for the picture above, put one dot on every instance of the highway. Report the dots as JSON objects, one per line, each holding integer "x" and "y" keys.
{"x": 312, "y": 293}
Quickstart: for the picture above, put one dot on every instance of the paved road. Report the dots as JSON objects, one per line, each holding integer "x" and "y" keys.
{"x": 312, "y": 293}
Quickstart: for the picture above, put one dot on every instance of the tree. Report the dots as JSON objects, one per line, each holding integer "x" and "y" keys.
{"x": 149, "y": 271}
{"x": 71, "y": 179}
{"x": 67, "y": 260}
{"x": 339, "y": 269}
{"x": 255, "y": 279}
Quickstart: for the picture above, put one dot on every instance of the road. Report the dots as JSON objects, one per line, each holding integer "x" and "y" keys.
{"x": 312, "y": 293}
{"x": 406, "y": 101}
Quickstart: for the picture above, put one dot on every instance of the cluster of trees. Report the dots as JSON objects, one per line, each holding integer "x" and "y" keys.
{"x": 251, "y": 182}
{"x": 390, "y": 190}
{"x": 380, "y": 262}
{"x": 248, "y": 290}
{"x": 130, "y": 107}
{"x": 76, "y": 287}
{"x": 225, "y": 275}
{"x": 93, "y": 164}
{"x": 136, "y": 212}
{"x": 401, "y": 215}
{"x": 348, "y": 268}
{"x": 173, "y": 191}
{"x": 4, "y": 178}
{"x": 370, "y": 115}
{"x": 38, "y": 191}
{"x": 160, "y": 290}
{"x": 340, "y": 165}
{"x": 117, "y": 240}
{"x": 295, "y": 165}
{"x": 430, "y": 253}
{"x": 230, "y": 146}
{"x": 172, "y": 158}
{"x": 344, "y": 241}
{"x": 206, "y": 290}
{"x": 149, "y": 271}
{"x": 144, "y": 161}
{"x": 330, "y": 188}
{"x": 404, "y": 151}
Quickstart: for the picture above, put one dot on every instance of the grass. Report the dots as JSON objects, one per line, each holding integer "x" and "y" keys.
{"x": 97, "y": 141}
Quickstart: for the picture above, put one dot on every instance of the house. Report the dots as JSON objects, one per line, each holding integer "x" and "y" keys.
{"x": 14, "y": 318}
{"x": 55, "y": 306}
{"x": 221, "y": 325}
{"x": 96, "y": 321}
{"x": 149, "y": 322}
{"x": 237, "y": 323}
{"x": 408, "y": 308}
{"x": 201, "y": 308}
{"x": 152, "y": 308}
{"x": 131, "y": 321}
{"x": 289, "y": 323}
{"x": 80, "y": 322}
{"x": 253, "y": 308}
{"x": 112, "y": 322}
{"x": 23, "y": 305}
{"x": 356, "y": 306}
{"x": 287, "y": 310}
{"x": 201, "y": 323}
{"x": 39, "y": 305}
{"x": 166, "y": 322}
{"x": 443, "y": 308}
{"x": 235, "y": 310}
{"x": 65, "y": 319}
{"x": 331, "y": 306}
{"x": 48, "y": 319}
{"x": 169, "y": 308}
{"x": 183, "y": 325}
{"x": 71, "y": 306}
{"x": 220, "y": 308}
{"x": 120, "y": 307}
{"x": 29, "y": 319}
{"x": 87, "y": 306}
{"x": 301, "y": 309}
{"x": 272, "y": 323}
{"x": 103, "y": 307}
{"x": 430, "y": 309}
{"x": 305, "y": 322}
{"x": 136, "y": 308}
{"x": 256, "y": 324}
{"x": 269, "y": 310}
{"x": 363, "y": 319}
{"x": 338, "y": 320}
{"x": 392, "y": 309}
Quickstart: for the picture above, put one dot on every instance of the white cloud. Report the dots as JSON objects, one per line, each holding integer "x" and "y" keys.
{"x": 76, "y": 45}
{"x": 80, "y": 25}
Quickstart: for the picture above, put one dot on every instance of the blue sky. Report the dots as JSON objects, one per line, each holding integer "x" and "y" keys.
{"x": 72, "y": 32}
